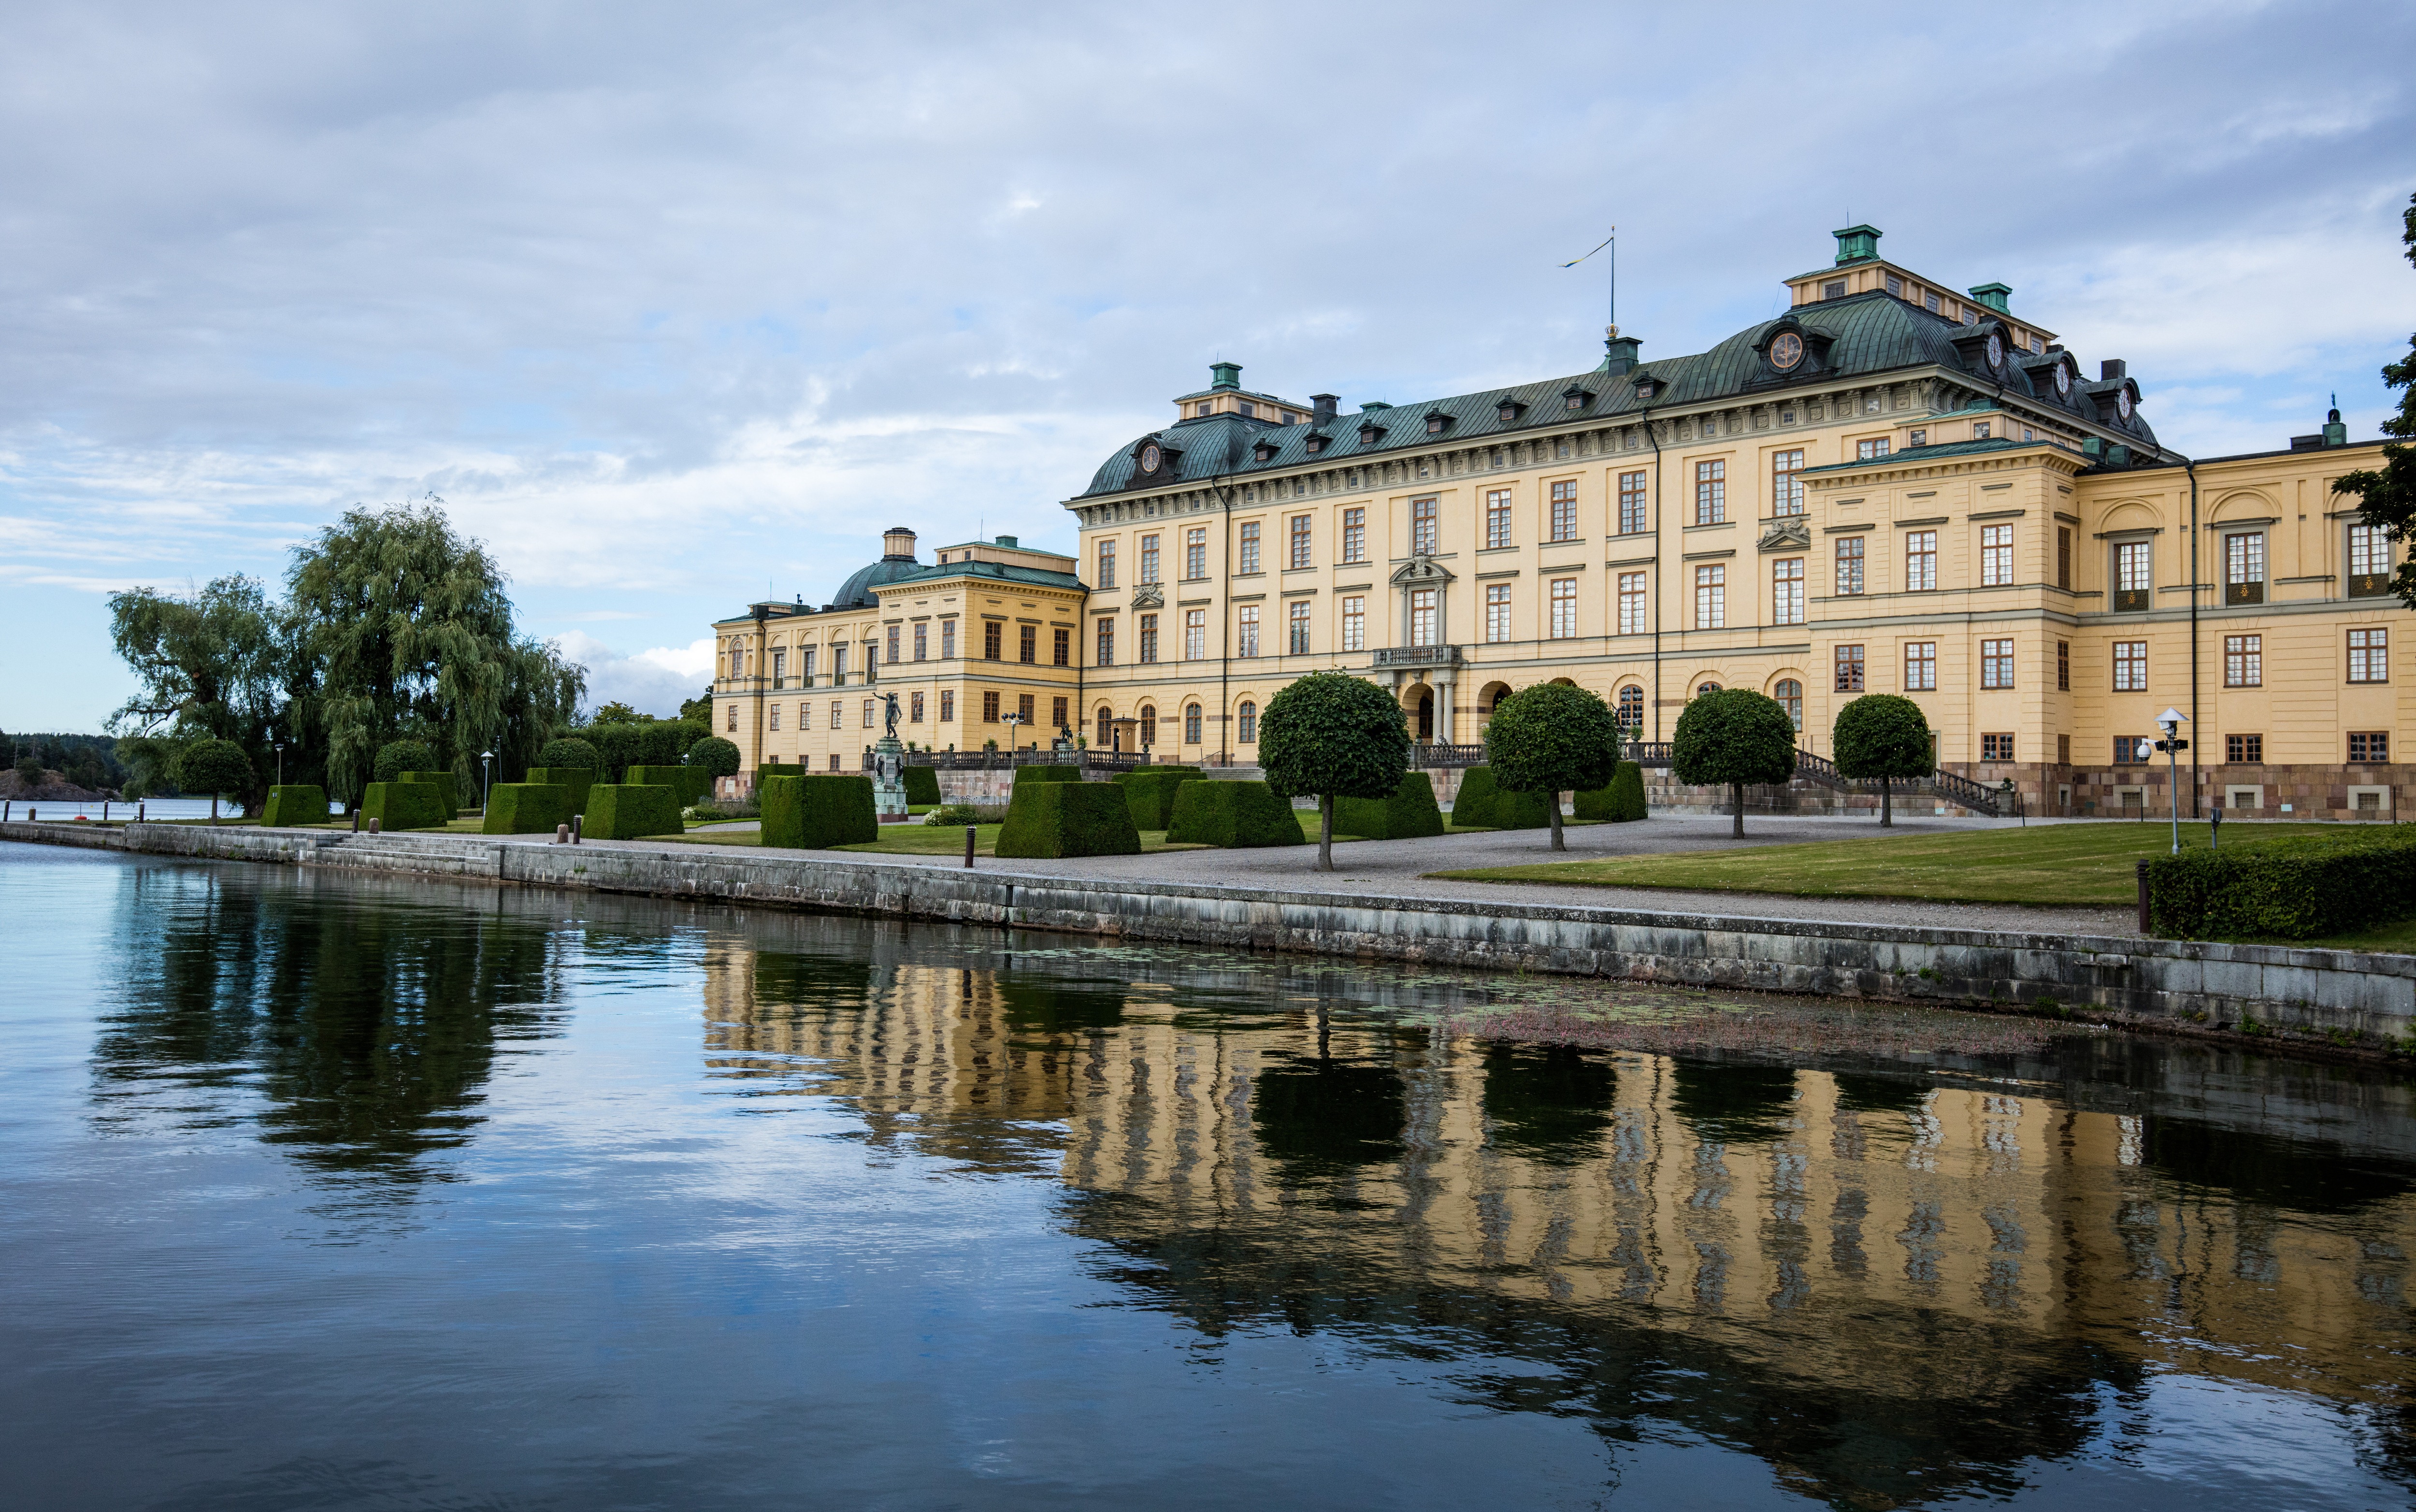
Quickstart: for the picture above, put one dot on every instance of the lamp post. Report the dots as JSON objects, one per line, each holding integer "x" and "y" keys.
{"x": 486, "y": 776}
{"x": 2170, "y": 723}
{"x": 281, "y": 762}
{"x": 1013, "y": 721}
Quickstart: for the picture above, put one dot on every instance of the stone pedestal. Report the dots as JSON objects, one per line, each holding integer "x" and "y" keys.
{"x": 888, "y": 779}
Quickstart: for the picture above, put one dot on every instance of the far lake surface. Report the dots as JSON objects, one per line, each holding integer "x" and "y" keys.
{"x": 329, "y": 1192}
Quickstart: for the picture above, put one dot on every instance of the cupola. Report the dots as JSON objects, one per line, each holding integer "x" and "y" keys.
{"x": 897, "y": 544}
{"x": 1857, "y": 244}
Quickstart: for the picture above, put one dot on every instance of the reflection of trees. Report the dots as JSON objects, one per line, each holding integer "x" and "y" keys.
{"x": 366, "y": 1024}
{"x": 1548, "y": 1101}
{"x": 1735, "y": 1102}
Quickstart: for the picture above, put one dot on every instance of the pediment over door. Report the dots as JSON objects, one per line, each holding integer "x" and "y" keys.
{"x": 1420, "y": 571}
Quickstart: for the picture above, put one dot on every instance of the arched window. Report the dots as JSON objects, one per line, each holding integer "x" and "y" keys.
{"x": 1107, "y": 727}
{"x": 1191, "y": 724}
{"x": 1148, "y": 725}
{"x": 1249, "y": 715}
{"x": 1631, "y": 707}
{"x": 1707, "y": 688}
{"x": 1791, "y": 697}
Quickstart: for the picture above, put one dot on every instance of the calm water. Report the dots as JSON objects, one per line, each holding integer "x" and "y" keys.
{"x": 332, "y": 1194}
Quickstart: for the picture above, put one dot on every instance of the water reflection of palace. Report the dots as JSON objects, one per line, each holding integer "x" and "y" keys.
{"x": 1858, "y": 1276}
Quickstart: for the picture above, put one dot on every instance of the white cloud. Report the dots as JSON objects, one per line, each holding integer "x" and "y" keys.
{"x": 655, "y": 681}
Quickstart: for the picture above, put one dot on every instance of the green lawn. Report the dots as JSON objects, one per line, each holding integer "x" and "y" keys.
{"x": 2048, "y": 864}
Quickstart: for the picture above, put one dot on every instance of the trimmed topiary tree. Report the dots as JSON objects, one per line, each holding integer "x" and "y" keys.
{"x": 295, "y": 802}
{"x": 922, "y": 785}
{"x": 403, "y": 806}
{"x": 1885, "y": 737}
{"x": 442, "y": 782}
{"x": 628, "y": 811}
{"x": 1473, "y": 803}
{"x": 1733, "y": 737}
{"x": 1548, "y": 739}
{"x": 1328, "y": 735}
{"x": 397, "y": 757}
{"x": 216, "y": 767}
{"x": 712, "y": 757}
{"x": 1049, "y": 820}
{"x": 1620, "y": 802}
{"x": 1024, "y": 774}
{"x": 1410, "y": 812}
{"x": 567, "y": 752}
{"x": 1237, "y": 816}
{"x": 526, "y": 808}
{"x": 1150, "y": 793}
{"x": 814, "y": 811}
{"x": 576, "y": 780}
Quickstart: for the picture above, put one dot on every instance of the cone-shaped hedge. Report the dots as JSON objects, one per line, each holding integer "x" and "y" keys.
{"x": 403, "y": 806}
{"x": 1235, "y": 815}
{"x": 923, "y": 785}
{"x": 295, "y": 802}
{"x": 1411, "y": 811}
{"x": 576, "y": 780}
{"x": 817, "y": 811}
{"x": 525, "y": 808}
{"x": 1150, "y": 793}
{"x": 628, "y": 811}
{"x": 1622, "y": 800}
{"x": 1049, "y": 819}
{"x": 442, "y": 782}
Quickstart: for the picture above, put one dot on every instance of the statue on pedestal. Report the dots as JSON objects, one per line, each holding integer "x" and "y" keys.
{"x": 889, "y": 767}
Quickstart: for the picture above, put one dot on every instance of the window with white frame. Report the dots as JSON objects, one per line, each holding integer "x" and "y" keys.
{"x": 2130, "y": 666}
{"x": 2369, "y": 656}
{"x": 1246, "y": 639}
{"x": 1195, "y": 634}
{"x": 1711, "y": 596}
{"x": 1921, "y": 666}
{"x": 1497, "y": 612}
{"x": 1631, "y": 603}
{"x": 1631, "y": 503}
{"x": 1997, "y": 663}
{"x": 1355, "y": 623}
{"x": 1565, "y": 608}
{"x": 1565, "y": 511}
{"x": 1786, "y": 486}
{"x": 1422, "y": 616}
{"x": 1426, "y": 526}
{"x": 2244, "y": 661}
{"x": 1850, "y": 565}
{"x": 1786, "y": 591}
{"x": 1996, "y": 555}
{"x": 1497, "y": 518}
{"x": 1296, "y": 619}
{"x": 1711, "y": 493}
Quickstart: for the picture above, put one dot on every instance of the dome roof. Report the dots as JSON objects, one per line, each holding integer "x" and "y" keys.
{"x": 856, "y": 592}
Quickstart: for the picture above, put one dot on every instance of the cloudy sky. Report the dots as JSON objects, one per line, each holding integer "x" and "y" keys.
{"x": 673, "y": 305}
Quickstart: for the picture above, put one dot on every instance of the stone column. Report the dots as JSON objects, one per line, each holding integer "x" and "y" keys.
{"x": 1446, "y": 728}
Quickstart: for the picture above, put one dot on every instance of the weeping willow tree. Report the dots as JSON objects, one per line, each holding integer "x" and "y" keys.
{"x": 212, "y": 664}
{"x": 409, "y": 632}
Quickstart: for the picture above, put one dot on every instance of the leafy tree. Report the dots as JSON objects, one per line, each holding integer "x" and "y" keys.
{"x": 1734, "y": 736}
{"x": 1551, "y": 738}
{"x": 30, "y": 774}
{"x": 715, "y": 755}
{"x": 217, "y": 767}
{"x": 2386, "y": 494}
{"x": 217, "y": 664}
{"x": 397, "y": 757}
{"x": 566, "y": 750}
{"x": 1337, "y": 736}
{"x": 1882, "y": 736}
{"x": 698, "y": 708}
{"x": 617, "y": 712}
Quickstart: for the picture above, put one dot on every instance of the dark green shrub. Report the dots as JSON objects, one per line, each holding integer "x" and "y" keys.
{"x": 1150, "y": 793}
{"x": 772, "y": 769}
{"x": 644, "y": 743}
{"x": 627, "y": 810}
{"x": 2293, "y": 889}
{"x": 397, "y": 757}
{"x": 1331, "y": 736}
{"x": 1620, "y": 801}
{"x": 680, "y": 780}
{"x": 1473, "y": 803}
{"x": 1049, "y": 819}
{"x": 217, "y": 767}
{"x": 1235, "y": 815}
{"x": 1885, "y": 737}
{"x": 567, "y": 752}
{"x": 295, "y": 802}
{"x": 1733, "y": 737}
{"x": 526, "y": 808}
{"x": 714, "y": 757}
{"x": 575, "y": 779}
{"x": 1551, "y": 739}
{"x": 1410, "y": 812}
{"x": 922, "y": 785}
{"x": 403, "y": 806}
{"x": 817, "y": 811}
{"x": 1024, "y": 774}
{"x": 442, "y": 782}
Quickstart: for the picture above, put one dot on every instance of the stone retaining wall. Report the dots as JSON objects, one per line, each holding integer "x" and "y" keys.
{"x": 2184, "y": 983}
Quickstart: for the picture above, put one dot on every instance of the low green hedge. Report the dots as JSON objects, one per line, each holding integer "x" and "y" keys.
{"x": 1622, "y": 801}
{"x": 295, "y": 802}
{"x": 1480, "y": 801}
{"x": 1410, "y": 812}
{"x": 690, "y": 782}
{"x": 814, "y": 811}
{"x": 923, "y": 785}
{"x": 1054, "y": 818}
{"x": 442, "y": 782}
{"x": 1024, "y": 774}
{"x": 577, "y": 780}
{"x": 1235, "y": 815}
{"x": 628, "y": 811}
{"x": 526, "y": 808}
{"x": 2293, "y": 889}
{"x": 1150, "y": 793}
{"x": 403, "y": 806}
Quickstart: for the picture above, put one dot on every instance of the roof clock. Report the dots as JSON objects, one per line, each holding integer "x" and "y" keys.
{"x": 1150, "y": 458}
{"x": 1996, "y": 350}
{"x": 1787, "y": 350}
{"x": 2062, "y": 380}
{"x": 2122, "y": 402}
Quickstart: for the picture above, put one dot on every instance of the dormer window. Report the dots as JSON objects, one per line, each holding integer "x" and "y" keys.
{"x": 1316, "y": 445}
{"x": 1263, "y": 452}
{"x": 1833, "y": 289}
{"x": 1370, "y": 434}
{"x": 1509, "y": 410}
{"x": 1574, "y": 399}
{"x": 1437, "y": 423}
{"x": 1647, "y": 387}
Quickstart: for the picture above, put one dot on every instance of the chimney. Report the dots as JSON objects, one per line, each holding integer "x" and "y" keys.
{"x": 1007, "y": 541}
{"x": 1323, "y": 407}
{"x": 898, "y": 542}
{"x": 2113, "y": 370}
{"x": 1622, "y": 352}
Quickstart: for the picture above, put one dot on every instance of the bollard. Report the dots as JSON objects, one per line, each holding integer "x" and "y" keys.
{"x": 2214, "y": 828}
{"x": 357, "y": 819}
{"x": 562, "y": 834}
{"x": 373, "y": 823}
{"x": 104, "y": 810}
{"x": 2143, "y": 900}
{"x": 5, "y": 804}
{"x": 33, "y": 814}
{"x": 140, "y": 809}
{"x": 578, "y": 828}
{"x": 968, "y": 847}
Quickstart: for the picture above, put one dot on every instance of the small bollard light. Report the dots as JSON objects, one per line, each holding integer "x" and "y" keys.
{"x": 968, "y": 847}
{"x": 578, "y": 828}
{"x": 33, "y": 815}
{"x": 562, "y": 834}
{"x": 373, "y": 823}
{"x": 357, "y": 819}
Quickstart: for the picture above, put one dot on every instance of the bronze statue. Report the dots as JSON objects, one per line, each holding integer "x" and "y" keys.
{"x": 890, "y": 714}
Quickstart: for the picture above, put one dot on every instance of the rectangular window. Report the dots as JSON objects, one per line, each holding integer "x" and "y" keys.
{"x": 1565, "y": 511}
{"x": 1631, "y": 503}
{"x": 839, "y": 663}
{"x": 1786, "y": 591}
{"x": 922, "y": 642}
{"x": 1023, "y": 709}
{"x": 1710, "y": 598}
{"x": 1997, "y": 664}
{"x": 1896, "y": 286}
{"x": 2244, "y": 661}
{"x": 2134, "y": 751}
{"x": 1354, "y": 535}
{"x": 1919, "y": 561}
{"x": 948, "y": 705}
{"x": 1148, "y": 640}
{"x": 1296, "y": 640}
{"x": 1918, "y": 438}
{"x": 1061, "y": 652}
{"x": 1564, "y": 609}
{"x": 1195, "y": 634}
{"x": 1996, "y": 557}
{"x": 2369, "y": 747}
{"x": 1106, "y": 655}
{"x": 993, "y": 640}
{"x": 2130, "y": 666}
{"x": 1107, "y": 563}
{"x": 1850, "y": 669}
{"x": 1921, "y": 666}
{"x": 2370, "y": 560}
{"x": 1246, "y": 641}
{"x": 1422, "y": 616}
{"x": 2244, "y": 749}
{"x": 1354, "y": 623}
{"x": 773, "y": 713}
{"x": 1303, "y": 533}
{"x": 1249, "y": 546}
{"x": 2244, "y": 568}
{"x": 1869, "y": 451}
{"x": 1930, "y": 302}
{"x": 1149, "y": 559}
{"x": 1997, "y": 747}
{"x": 1980, "y": 431}
{"x": 2133, "y": 575}
{"x": 2063, "y": 666}
{"x": 894, "y": 657}
{"x": 1711, "y": 493}
{"x": 947, "y": 642}
{"x": 2063, "y": 556}
{"x": 2369, "y": 656}
{"x": 1631, "y": 603}
{"x": 837, "y": 716}
{"x": 870, "y": 705}
{"x": 1195, "y": 553}
{"x": 1027, "y": 644}
{"x": 1057, "y": 714}
{"x": 1786, "y": 488}
{"x": 915, "y": 708}
{"x": 1850, "y": 565}
{"x": 1497, "y": 612}
{"x": 1497, "y": 518}
{"x": 1425, "y": 530}
{"x": 779, "y": 669}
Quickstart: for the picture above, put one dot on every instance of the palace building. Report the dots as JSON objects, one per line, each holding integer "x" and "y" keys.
{"x": 1894, "y": 486}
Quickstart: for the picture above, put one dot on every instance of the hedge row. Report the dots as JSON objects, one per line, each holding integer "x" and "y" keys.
{"x": 814, "y": 811}
{"x": 690, "y": 782}
{"x": 295, "y": 802}
{"x": 1024, "y": 774}
{"x": 442, "y": 782}
{"x": 922, "y": 785}
{"x": 2294, "y": 889}
{"x": 1410, "y": 812}
{"x": 649, "y": 743}
{"x": 1150, "y": 791}
{"x": 403, "y": 806}
{"x": 1480, "y": 801}
{"x": 577, "y": 780}
{"x": 628, "y": 811}
{"x": 1053, "y": 818}
{"x": 1235, "y": 815}
{"x": 1620, "y": 802}
{"x": 526, "y": 808}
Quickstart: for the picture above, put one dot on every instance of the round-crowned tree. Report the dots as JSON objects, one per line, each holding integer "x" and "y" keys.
{"x": 1734, "y": 736}
{"x": 1333, "y": 736}
{"x": 397, "y": 757}
{"x": 567, "y": 752}
{"x": 1882, "y": 736}
{"x": 214, "y": 767}
{"x": 718, "y": 756}
{"x": 1553, "y": 738}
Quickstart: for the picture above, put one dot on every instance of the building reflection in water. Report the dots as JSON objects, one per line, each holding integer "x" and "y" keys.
{"x": 1890, "y": 1285}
